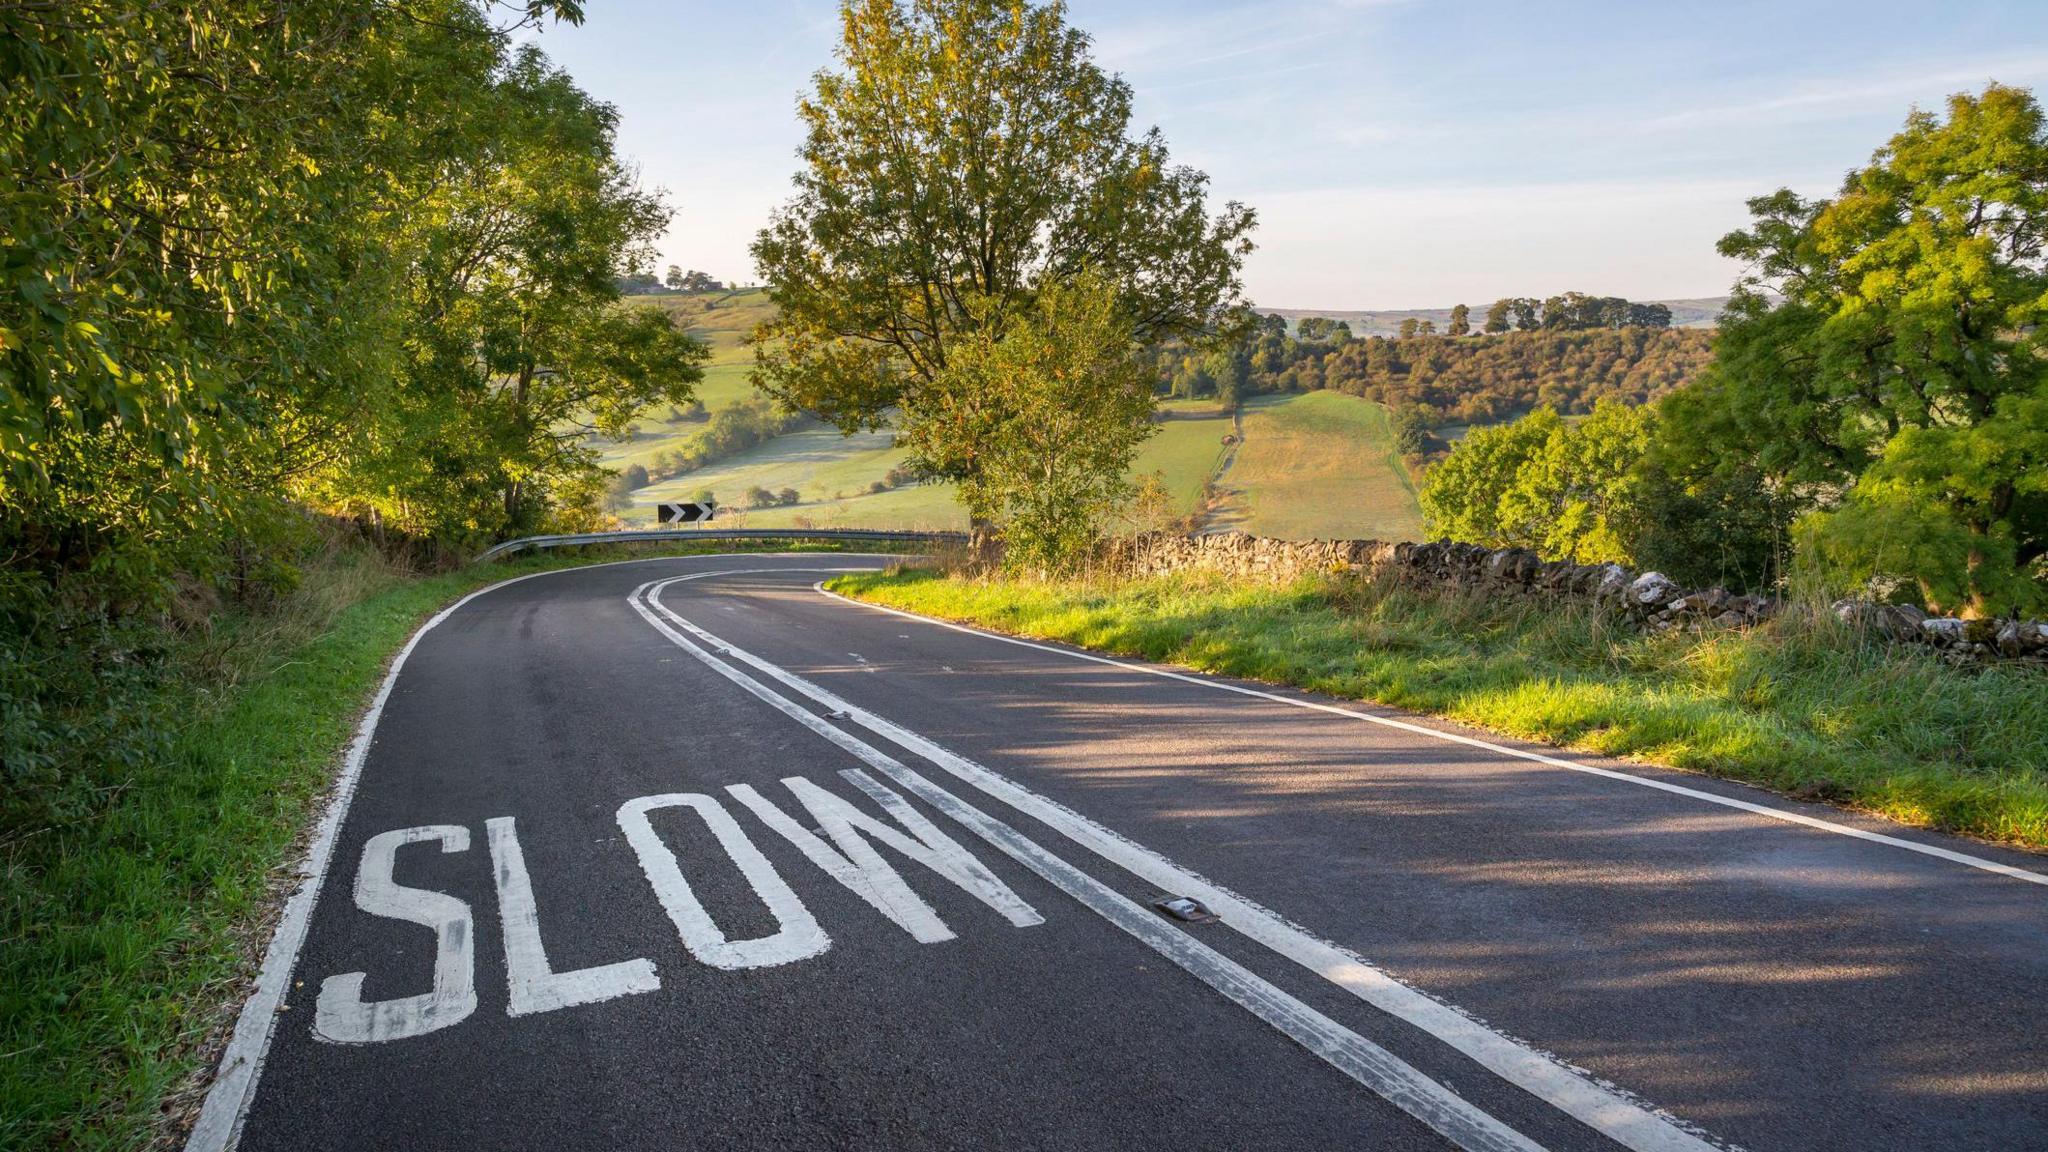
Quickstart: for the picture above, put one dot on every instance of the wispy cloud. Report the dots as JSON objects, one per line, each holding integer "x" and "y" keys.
{"x": 1856, "y": 94}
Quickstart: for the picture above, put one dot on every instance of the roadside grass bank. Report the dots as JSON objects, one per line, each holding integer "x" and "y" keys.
{"x": 1814, "y": 709}
{"x": 125, "y": 934}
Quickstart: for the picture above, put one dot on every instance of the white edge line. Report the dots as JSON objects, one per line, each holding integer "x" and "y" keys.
{"x": 1950, "y": 855}
{"x": 1602, "y": 1106}
{"x": 233, "y": 1089}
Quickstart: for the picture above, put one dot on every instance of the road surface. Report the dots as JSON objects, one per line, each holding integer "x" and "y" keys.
{"x": 685, "y": 853}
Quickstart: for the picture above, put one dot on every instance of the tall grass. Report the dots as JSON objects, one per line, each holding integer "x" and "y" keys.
{"x": 1803, "y": 705}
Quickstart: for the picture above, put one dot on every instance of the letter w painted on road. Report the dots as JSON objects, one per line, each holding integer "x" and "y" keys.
{"x": 862, "y": 869}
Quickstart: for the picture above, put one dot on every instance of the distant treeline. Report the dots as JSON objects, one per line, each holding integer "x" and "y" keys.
{"x": 1450, "y": 379}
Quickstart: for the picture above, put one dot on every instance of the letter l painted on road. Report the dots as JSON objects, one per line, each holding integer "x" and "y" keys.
{"x": 534, "y": 987}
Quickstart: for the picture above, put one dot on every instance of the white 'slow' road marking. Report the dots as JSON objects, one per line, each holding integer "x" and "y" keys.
{"x": 219, "y": 1125}
{"x": 797, "y": 933}
{"x": 1392, "y": 1078}
{"x": 534, "y": 986}
{"x": 342, "y": 1015}
{"x": 1800, "y": 818}
{"x": 1608, "y": 1111}
{"x": 862, "y": 870}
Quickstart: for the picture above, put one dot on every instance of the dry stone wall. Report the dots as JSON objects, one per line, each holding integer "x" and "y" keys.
{"x": 1648, "y": 598}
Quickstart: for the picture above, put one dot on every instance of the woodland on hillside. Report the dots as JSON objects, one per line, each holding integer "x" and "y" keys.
{"x": 1450, "y": 379}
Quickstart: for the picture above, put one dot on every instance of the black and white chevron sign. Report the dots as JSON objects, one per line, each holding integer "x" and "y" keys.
{"x": 685, "y": 513}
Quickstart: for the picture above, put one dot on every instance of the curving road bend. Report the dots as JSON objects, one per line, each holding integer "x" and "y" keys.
{"x": 685, "y": 853}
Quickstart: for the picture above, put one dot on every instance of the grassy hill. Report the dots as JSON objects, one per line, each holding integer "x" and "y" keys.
{"x": 833, "y": 475}
{"x": 1318, "y": 465}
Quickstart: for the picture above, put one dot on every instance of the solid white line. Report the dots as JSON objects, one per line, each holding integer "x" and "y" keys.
{"x": 241, "y": 1064}
{"x": 1392, "y": 1078}
{"x": 1608, "y": 1111}
{"x": 1801, "y": 818}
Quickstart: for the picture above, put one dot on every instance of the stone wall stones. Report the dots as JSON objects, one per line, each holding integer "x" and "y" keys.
{"x": 1651, "y": 599}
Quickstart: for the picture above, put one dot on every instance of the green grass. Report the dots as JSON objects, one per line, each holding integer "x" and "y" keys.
{"x": 1814, "y": 709}
{"x": 1322, "y": 464}
{"x": 1185, "y": 451}
{"x": 722, "y": 321}
{"x": 832, "y": 474}
{"x": 128, "y": 937}
{"x": 1318, "y": 465}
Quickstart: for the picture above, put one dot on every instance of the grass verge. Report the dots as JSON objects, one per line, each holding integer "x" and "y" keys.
{"x": 1815, "y": 709}
{"x": 125, "y": 938}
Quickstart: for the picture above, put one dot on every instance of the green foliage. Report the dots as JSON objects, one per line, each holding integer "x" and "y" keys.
{"x": 516, "y": 346}
{"x": 1724, "y": 528}
{"x": 1461, "y": 496}
{"x": 1411, "y": 431}
{"x": 1053, "y": 405}
{"x": 1461, "y": 321}
{"x": 1568, "y": 491}
{"x": 353, "y": 255}
{"x": 731, "y": 431}
{"x": 1896, "y": 385}
{"x": 1497, "y": 316}
{"x": 966, "y": 156}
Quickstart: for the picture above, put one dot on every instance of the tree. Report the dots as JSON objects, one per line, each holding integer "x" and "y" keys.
{"x": 1056, "y": 401}
{"x": 1410, "y": 426}
{"x": 1410, "y": 326}
{"x": 1649, "y": 316}
{"x": 517, "y": 346}
{"x": 1426, "y": 328}
{"x": 1577, "y": 496}
{"x": 1461, "y": 496}
{"x": 1883, "y": 359}
{"x": 1528, "y": 313}
{"x": 1461, "y": 321}
{"x": 966, "y": 157}
{"x": 674, "y": 279}
{"x": 1497, "y": 315}
{"x": 1230, "y": 369}
{"x": 1567, "y": 491}
{"x": 1273, "y": 324}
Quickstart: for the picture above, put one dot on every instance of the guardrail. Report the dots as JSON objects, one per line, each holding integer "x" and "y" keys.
{"x": 861, "y": 535}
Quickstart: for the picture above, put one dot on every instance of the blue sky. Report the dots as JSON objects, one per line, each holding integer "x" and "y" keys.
{"x": 1400, "y": 154}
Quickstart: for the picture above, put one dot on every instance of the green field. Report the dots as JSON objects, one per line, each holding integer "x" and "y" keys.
{"x": 832, "y": 475}
{"x": 721, "y": 320}
{"x": 1318, "y": 465}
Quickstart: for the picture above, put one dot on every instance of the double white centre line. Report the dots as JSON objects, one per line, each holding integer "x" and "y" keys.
{"x": 1604, "y": 1109}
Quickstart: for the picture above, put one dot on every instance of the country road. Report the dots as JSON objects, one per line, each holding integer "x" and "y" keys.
{"x": 686, "y": 853}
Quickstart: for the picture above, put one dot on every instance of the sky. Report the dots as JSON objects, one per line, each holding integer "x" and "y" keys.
{"x": 1399, "y": 154}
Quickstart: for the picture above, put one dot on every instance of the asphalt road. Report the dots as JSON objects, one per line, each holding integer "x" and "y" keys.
{"x": 684, "y": 853}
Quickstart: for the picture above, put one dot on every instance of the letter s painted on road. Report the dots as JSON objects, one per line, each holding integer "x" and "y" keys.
{"x": 343, "y": 1016}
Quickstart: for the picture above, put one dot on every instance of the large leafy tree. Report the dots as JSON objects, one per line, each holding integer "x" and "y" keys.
{"x": 207, "y": 209}
{"x": 1883, "y": 360}
{"x": 516, "y": 343}
{"x": 1568, "y": 491}
{"x": 1059, "y": 401}
{"x": 965, "y": 156}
